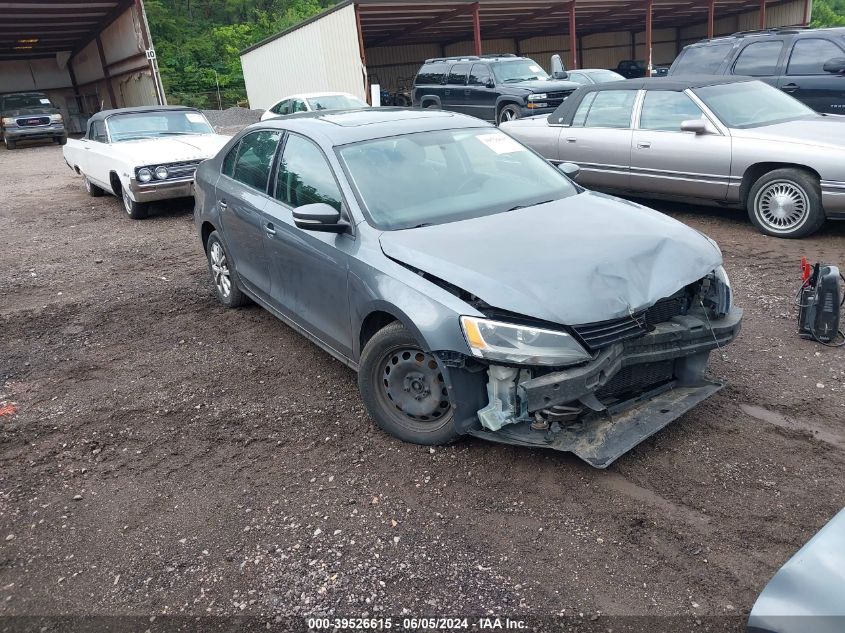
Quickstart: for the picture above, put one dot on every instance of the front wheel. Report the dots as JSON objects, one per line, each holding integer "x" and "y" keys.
{"x": 509, "y": 113}
{"x": 786, "y": 203}
{"x": 8, "y": 143}
{"x": 403, "y": 388}
{"x": 61, "y": 140}
{"x": 135, "y": 210}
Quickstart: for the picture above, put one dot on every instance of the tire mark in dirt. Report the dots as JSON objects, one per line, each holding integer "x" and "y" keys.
{"x": 804, "y": 428}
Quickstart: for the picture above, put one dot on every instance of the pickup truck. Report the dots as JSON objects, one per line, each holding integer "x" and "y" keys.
{"x": 30, "y": 116}
{"x": 143, "y": 154}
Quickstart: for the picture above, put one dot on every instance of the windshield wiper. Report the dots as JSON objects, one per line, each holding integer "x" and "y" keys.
{"x": 526, "y": 206}
{"x": 420, "y": 226}
{"x": 174, "y": 133}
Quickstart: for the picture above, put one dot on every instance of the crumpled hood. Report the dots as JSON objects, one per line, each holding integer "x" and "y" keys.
{"x": 584, "y": 259}
{"x": 823, "y": 131}
{"x": 170, "y": 149}
{"x": 550, "y": 85}
{"x": 33, "y": 111}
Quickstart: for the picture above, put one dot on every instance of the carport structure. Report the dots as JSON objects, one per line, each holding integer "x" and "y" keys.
{"x": 394, "y": 22}
{"x": 361, "y": 42}
{"x": 85, "y": 55}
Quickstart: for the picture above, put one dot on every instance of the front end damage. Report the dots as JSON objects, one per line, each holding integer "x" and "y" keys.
{"x": 643, "y": 372}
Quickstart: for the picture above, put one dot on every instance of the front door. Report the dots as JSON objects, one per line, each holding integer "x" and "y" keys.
{"x": 241, "y": 197}
{"x": 806, "y": 79}
{"x": 308, "y": 269}
{"x": 599, "y": 139}
{"x": 666, "y": 160}
{"x": 456, "y": 92}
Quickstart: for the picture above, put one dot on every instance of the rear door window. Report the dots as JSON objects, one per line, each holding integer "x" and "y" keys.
{"x": 759, "y": 59}
{"x": 228, "y": 168}
{"x": 702, "y": 60}
{"x": 255, "y": 158}
{"x": 611, "y": 109}
{"x": 431, "y": 74}
{"x": 458, "y": 75}
{"x": 809, "y": 56}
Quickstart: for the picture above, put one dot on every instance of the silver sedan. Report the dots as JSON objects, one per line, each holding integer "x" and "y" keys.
{"x": 726, "y": 141}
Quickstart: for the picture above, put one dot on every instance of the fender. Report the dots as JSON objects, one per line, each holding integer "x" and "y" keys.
{"x": 428, "y": 99}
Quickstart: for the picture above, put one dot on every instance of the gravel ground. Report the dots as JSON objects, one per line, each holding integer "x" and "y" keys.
{"x": 169, "y": 456}
{"x": 232, "y": 120}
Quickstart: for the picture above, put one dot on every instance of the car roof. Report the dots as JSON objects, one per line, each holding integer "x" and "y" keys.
{"x": 781, "y": 30}
{"x": 104, "y": 114}
{"x": 341, "y": 127}
{"x": 311, "y": 95}
{"x": 676, "y": 84}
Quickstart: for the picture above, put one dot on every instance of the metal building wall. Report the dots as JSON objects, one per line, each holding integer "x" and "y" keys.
{"x": 320, "y": 56}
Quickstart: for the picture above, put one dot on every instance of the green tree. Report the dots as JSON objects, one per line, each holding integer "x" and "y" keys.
{"x": 828, "y": 13}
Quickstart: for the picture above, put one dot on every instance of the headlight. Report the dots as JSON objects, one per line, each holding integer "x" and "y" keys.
{"x": 161, "y": 172}
{"x": 511, "y": 343}
{"x": 145, "y": 175}
{"x": 56, "y": 118}
{"x": 540, "y": 97}
{"x": 9, "y": 121}
{"x": 717, "y": 296}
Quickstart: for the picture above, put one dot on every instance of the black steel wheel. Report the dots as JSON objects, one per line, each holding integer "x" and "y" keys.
{"x": 404, "y": 390}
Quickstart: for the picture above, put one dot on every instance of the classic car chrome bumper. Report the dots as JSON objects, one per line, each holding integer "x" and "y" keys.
{"x": 833, "y": 197}
{"x": 161, "y": 190}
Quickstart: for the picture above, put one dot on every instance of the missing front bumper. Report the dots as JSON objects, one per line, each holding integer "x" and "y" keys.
{"x": 602, "y": 438}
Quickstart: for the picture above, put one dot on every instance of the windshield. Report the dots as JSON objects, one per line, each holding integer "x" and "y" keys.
{"x": 17, "y": 102}
{"x": 751, "y": 104}
{"x": 523, "y": 70}
{"x": 448, "y": 175}
{"x": 141, "y": 125}
{"x": 336, "y": 102}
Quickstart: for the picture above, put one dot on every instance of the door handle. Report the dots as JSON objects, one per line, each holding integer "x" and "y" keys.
{"x": 222, "y": 204}
{"x": 790, "y": 87}
{"x": 644, "y": 145}
{"x": 270, "y": 229}
{"x": 571, "y": 140}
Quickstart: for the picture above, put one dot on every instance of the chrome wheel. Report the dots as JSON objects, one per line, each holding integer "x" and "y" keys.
{"x": 412, "y": 388}
{"x": 127, "y": 201}
{"x": 220, "y": 270}
{"x": 87, "y": 184}
{"x": 782, "y": 206}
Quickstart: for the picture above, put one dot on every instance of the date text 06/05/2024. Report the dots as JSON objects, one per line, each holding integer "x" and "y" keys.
{"x": 414, "y": 624}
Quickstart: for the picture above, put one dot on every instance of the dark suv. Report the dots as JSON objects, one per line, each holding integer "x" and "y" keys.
{"x": 495, "y": 88}
{"x": 809, "y": 64}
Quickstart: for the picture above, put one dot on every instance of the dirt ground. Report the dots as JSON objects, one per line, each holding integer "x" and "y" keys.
{"x": 169, "y": 456}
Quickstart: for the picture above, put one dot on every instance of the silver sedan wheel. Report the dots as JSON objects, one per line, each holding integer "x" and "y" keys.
{"x": 220, "y": 270}
{"x": 782, "y": 206}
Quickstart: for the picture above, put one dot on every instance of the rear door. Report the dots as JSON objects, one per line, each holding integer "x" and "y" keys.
{"x": 455, "y": 92}
{"x": 308, "y": 269}
{"x": 241, "y": 196}
{"x": 806, "y": 80}
{"x": 762, "y": 59}
{"x": 599, "y": 138}
{"x": 481, "y": 98}
{"x": 666, "y": 160}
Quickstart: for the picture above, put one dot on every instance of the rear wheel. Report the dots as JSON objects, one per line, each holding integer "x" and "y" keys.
{"x": 403, "y": 388}
{"x": 510, "y": 112}
{"x": 786, "y": 203}
{"x": 135, "y": 210}
{"x": 222, "y": 273}
{"x": 93, "y": 190}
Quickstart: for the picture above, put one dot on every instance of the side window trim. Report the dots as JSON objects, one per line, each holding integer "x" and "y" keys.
{"x": 240, "y": 145}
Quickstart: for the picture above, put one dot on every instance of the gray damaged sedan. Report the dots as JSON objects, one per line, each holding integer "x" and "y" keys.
{"x": 472, "y": 285}
{"x": 730, "y": 141}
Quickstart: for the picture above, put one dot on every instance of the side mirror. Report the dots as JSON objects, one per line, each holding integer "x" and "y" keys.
{"x": 835, "y": 65}
{"x": 571, "y": 170}
{"x": 561, "y": 74}
{"x": 558, "y": 69}
{"x": 696, "y": 126}
{"x": 320, "y": 217}
{"x": 490, "y": 83}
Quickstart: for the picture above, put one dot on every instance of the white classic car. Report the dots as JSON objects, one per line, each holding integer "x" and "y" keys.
{"x": 143, "y": 154}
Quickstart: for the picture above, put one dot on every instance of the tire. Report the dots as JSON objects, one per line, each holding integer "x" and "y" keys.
{"x": 401, "y": 101}
{"x": 786, "y": 203}
{"x": 10, "y": 145}
{"x": 431, "y": 105}
{"x": 135, "y": 210}
{"x": 403, "y": 390}
{"x": 510, "y": 112}
{"x": 223, "y": 273}
{"x": 61, "y": 140}
{"x": 93, "y": 190}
